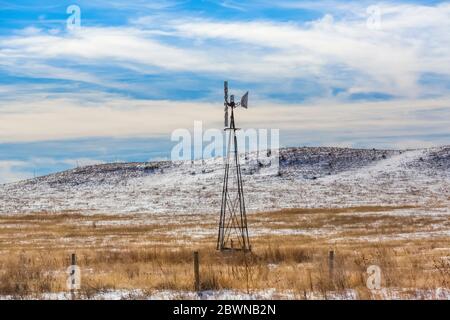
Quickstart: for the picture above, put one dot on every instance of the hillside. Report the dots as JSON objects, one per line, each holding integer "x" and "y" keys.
{"x": 307, "y": 177}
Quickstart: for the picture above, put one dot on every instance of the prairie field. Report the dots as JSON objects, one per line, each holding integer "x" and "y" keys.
{"x": 150, "y": 256}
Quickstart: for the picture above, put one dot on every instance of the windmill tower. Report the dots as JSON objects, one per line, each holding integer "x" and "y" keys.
{"x": 233, "y": 232}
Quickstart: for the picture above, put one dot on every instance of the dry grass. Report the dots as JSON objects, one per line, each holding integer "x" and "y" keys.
{"x": 153, "y": 253}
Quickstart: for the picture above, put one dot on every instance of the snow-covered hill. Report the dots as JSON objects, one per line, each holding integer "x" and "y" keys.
{"x": 307, "y": 177}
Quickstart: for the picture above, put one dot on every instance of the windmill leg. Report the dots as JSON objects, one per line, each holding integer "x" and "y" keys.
{"x": 223, "y": 210}
{"x": 240, "y": 195}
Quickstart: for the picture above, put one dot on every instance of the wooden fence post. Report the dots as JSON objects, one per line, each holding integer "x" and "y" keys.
{"x": 331, "y": 264}
{"x": 74, "y": 262}
{"x": 196, "y": 272}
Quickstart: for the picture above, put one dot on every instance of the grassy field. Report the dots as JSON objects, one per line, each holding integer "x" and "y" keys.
{"x": 145, "y": 254}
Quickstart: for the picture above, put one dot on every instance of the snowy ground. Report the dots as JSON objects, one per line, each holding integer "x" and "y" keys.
{"x": 268, "y": 294}
{"x": 307, "y": 177}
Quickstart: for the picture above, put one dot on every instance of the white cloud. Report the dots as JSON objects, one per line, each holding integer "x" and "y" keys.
{"x": 108, "y": 46}
{"x": 413, "y": 40}
{"x": 61, "y": 117}
{"x": 9, "y": 172}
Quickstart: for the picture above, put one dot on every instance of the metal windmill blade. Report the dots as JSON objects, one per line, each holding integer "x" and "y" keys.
{"x": 226, "y": 116}
{"x": 225, "y": 91}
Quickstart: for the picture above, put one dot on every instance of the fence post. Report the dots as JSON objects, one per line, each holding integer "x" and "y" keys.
{"x": 196, "y": 272}
{"x": 74, "y": 262}
{"x": 331, "y": 264}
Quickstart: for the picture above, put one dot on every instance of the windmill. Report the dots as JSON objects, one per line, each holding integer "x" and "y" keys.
{"x": 233, "y": 231}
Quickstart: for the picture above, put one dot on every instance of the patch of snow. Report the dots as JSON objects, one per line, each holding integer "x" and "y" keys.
{"x": 267, "y": 294}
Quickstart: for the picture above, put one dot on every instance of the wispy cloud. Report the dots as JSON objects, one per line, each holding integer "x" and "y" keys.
{"x": 12, "y": 171}
{"x": 62, "y": 117}
{"x": 412, "y": 40}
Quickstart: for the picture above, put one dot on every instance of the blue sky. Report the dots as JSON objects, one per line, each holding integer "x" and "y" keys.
{"x": 357, "y": 74}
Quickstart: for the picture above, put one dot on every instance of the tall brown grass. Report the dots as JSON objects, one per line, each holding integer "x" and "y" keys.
{"x": 151, "y": 257}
